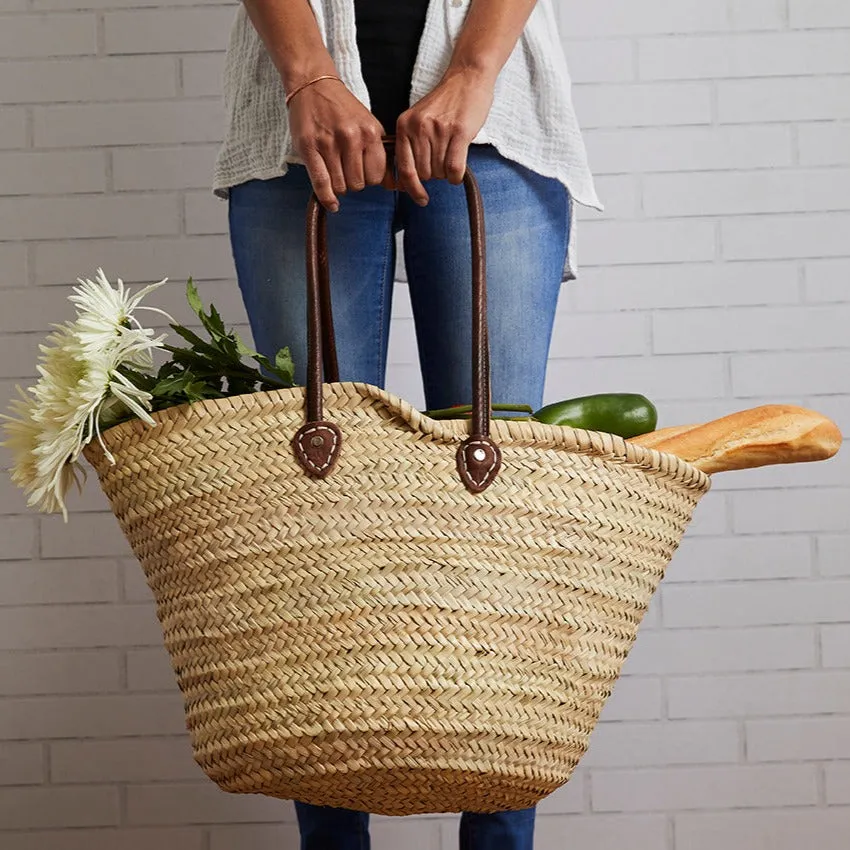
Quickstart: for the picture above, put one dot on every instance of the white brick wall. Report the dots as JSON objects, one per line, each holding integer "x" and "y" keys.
{"x": 717, "y": 279}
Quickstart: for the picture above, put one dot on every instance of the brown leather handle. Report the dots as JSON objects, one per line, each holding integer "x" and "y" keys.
{"x": 318, "y": 442}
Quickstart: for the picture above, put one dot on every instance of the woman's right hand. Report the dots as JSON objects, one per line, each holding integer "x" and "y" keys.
{"x": 338, "y": 140}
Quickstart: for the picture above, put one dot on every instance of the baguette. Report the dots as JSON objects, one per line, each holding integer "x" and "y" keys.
{"x": 771, "y": 434}
{"x": 653, "y": 438}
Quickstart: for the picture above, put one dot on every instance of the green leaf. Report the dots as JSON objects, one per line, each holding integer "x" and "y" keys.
{"x": 284, "y": 365}
{"x": 142, "y": 380}
{"x": 236, "y": 386}
{"x": 173, "y": 385}
{"x": 242, "y": 348}
{"x": 190, "y": 336}
{"x": 229, "y": 346}
{"x": 197, "y": 390}
{"x": 213, "y": 322}
{"x": 187, "y": 386}
{"x": 194, "y": 299}
{"x": 186, "y": 357}
{"x": 216, "y": 322}
{"x": 167, "y": 369}
{"x": 285, "y": 375}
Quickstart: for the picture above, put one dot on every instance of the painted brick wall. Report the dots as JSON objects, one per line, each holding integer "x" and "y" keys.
{"x": 717, "y": 279}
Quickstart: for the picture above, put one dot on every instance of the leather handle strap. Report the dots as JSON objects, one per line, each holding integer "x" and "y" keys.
{"x": 318, "y": 441}
{"x": 329, "y": 356}
{"x": 480, "y": 346}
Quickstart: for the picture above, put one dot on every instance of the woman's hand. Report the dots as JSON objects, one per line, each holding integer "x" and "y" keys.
{"x": 338, "y": 139}
{"x": 433, "y": 136}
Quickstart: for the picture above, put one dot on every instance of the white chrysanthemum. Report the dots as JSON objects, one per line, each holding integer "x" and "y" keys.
{"x": 80, "y": 390}
{"x": 104, "y": 311}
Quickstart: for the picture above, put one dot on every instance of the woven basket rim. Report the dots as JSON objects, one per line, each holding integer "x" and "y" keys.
{"x": 595, "y": 443}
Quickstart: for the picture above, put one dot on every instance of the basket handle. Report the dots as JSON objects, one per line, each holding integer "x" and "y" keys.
{"x": 317, "y": 443}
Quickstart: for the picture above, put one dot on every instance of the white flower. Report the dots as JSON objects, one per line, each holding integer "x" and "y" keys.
{"x": 104, "y": 312}
{"x": 26, "y": 441}
{"x": 80, "y": 390}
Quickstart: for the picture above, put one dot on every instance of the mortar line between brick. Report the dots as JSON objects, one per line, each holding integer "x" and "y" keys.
{"x": 30, "y": 265}
{"x": 121, "y": 581}
{"x": 728, "y": 384}
{"x": 110, "y": 171}
{"x": 121, "y": 787}
{"x": 100, "y": 34}
{"x": 820, "y": 782}
{"x": 718, "y": 243}
{"x": 815, "y": 553}
{"x": 714, "y": 98}
{"x": 29, "y": 128}
{"x": 123, "y": 670}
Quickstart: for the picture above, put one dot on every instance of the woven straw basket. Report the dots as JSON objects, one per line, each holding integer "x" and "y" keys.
{"x": 372, "y": 609}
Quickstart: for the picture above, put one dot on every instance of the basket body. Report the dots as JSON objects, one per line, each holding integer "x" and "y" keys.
{"x": 383, "y": 639}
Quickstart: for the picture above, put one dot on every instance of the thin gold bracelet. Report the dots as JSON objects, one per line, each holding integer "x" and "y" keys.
{"x": 310, "y": 83}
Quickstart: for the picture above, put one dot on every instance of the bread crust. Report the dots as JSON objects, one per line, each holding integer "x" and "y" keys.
{"x": 760, "y": 436}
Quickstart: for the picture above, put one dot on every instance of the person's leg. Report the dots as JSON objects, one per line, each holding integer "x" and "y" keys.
{"x": 267, "y": 232}
{"x": 499, "y": 831}
{"x": 267, "y": 229}
{"x": 526, "y": 219}
{"x": 324, "y": 828}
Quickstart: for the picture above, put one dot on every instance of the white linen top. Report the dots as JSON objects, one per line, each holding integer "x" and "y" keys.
{"x": 531, "y": 122}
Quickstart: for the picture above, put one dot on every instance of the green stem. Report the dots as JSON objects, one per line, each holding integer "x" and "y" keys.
{"x": 458, "y": 412}
{"x": 523, "y": 408}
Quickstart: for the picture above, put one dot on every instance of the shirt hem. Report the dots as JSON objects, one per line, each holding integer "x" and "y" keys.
{"x": 584, "y": 195}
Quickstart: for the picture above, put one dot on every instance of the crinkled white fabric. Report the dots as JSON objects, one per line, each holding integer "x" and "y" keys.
{"x": 532, "y": 120}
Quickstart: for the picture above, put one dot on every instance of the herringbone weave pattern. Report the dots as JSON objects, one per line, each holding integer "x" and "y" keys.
{"x": 383, "y": 639}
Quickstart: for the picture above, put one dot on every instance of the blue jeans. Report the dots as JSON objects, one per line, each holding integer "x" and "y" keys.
{"x": 527, "y": 227}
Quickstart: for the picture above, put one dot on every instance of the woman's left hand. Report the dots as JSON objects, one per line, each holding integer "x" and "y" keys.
{"x": 433, "y": 136}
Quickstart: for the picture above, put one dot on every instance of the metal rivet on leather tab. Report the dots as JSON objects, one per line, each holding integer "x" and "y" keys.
{"x": 479, "y": 454}
{"x": 317, "y": 441}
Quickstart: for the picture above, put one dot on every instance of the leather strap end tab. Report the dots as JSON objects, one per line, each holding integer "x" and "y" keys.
{"x": 316, "y": 446}
{"x": 478, "y": 462}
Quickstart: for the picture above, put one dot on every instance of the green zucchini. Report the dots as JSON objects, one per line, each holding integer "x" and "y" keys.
{"x": 625, "y": 414}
